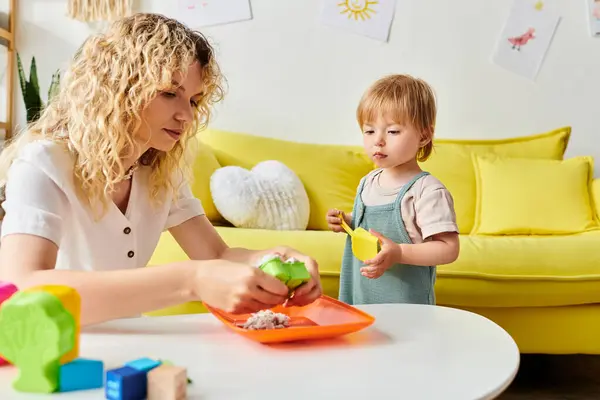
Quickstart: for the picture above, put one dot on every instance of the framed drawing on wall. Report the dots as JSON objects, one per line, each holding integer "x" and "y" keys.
{"x": 593, "y": 11}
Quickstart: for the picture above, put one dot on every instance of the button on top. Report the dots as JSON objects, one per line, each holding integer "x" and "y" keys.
{"x": 130, "y": 254}
{"x": 127, "y": 230}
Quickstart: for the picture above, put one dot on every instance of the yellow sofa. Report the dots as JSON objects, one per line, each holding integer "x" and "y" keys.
{"x": 533, "y": 270}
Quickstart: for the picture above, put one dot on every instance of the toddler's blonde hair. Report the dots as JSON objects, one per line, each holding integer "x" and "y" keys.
{"x": 111, "y": 79}
{"x": 404, "y": 99}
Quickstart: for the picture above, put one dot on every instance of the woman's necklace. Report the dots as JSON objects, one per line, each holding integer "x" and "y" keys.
{"x": 131, "y": 170}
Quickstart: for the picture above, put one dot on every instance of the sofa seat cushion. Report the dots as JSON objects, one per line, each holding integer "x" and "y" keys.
{"x": 523, "y": 271}
{"x": 505, "y": 271}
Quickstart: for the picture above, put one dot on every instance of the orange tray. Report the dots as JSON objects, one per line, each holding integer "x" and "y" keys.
{"x": 324, "y": 318}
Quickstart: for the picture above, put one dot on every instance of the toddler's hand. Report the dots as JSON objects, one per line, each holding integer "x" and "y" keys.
{"x": 334, "y": 222}
{"x": 390, "y": 254}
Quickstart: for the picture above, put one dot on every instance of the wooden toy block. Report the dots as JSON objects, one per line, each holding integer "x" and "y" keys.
{"x": 36, "y": 332}
{"x": 126, "y": 383}
{"x": 167, "y": 362}
{"x": 167, "y": 382}
{"x": 143, "y": 364}
{"x": 72, "y": 302}
{"x": 6, "y": 291}
{"x": 81, "y": 374}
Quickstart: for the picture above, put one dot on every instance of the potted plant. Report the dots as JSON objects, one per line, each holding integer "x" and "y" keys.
{"x": 31, "y": 89}
{"x": 31, "y": 96}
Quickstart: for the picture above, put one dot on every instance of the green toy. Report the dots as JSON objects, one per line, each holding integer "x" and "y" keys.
{"x": 36, "y": 332}
{"x": 291, "y": 272}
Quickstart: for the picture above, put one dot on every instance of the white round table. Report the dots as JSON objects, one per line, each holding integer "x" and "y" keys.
{"x": 410, "y": 352}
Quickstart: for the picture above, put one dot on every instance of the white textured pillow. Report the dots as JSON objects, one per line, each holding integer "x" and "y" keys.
{"x": 269, "y": 196}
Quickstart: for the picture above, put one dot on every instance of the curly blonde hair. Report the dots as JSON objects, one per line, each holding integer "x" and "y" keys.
{"x": 110, "y": 81}
{"x": 405, "y": 99}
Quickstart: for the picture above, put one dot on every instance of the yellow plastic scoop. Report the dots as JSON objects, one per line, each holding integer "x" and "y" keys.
{"x": 364, "y": 245}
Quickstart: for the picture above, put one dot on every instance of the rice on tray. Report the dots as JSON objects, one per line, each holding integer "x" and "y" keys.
{"x": 267, "y": 319}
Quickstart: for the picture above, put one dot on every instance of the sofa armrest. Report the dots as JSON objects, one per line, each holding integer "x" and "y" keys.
{"x": 596, "y": 195}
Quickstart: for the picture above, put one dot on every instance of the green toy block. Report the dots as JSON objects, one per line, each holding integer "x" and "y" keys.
{"x": 298, "y": 274}
{"x": 276, "y": 268}
{"x": 35, "y": 332}
{"x": 292, "y": 273}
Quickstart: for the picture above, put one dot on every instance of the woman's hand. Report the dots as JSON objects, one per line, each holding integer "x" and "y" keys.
{"x": 309, "y": 291}
{"x": 238, "y": 288}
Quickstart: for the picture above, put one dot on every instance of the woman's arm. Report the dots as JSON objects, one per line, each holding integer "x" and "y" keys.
{"x": 28, "y": 260}
{"x": 200, "y": 241}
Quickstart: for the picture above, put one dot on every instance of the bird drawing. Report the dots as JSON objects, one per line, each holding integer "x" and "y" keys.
{"x": 518, "y": 41}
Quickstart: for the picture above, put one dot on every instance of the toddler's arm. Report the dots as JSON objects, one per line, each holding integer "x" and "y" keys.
{"x": 436, "y": 219}
{"x": 439, "y": 249}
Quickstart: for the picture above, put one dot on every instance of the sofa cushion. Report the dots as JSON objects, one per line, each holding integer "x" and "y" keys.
{"x": 330, "y": 173}
{"x": 205, "y": 163}
{"x": 491, "y": 271}
{"x": 451, "y": 162}
{"x": 520, "y": 196}
{"x": 596, "y": 196}
{"x": 269, "y": 196}
{"x": 523, "y": 271}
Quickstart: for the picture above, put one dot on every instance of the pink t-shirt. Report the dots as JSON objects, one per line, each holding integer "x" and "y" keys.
{"x": 427, "y": 207}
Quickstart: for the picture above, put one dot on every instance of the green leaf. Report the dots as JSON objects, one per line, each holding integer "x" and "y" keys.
{"x": 33, "y": 103}
{"x": 33, "y": 75}
{"x": 22, "y": 79}
{"x": 54, "y": 85}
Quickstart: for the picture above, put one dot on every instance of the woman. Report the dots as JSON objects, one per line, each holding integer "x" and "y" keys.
{"x": 94, "y": 181}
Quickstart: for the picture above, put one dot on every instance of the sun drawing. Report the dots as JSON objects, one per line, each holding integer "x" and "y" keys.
{"x": 357, "y": 8}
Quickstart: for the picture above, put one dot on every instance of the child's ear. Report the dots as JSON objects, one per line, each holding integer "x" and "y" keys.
{"x": 426, "y": 137}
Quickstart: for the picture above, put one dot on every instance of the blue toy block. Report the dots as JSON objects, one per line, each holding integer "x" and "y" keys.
{"x": 143, "y": 364}
{"x": 81, "y": 374}
{"x": 126, "y": 383}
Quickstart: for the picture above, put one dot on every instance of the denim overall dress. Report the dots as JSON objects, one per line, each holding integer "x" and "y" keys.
{"x": 401, "y": 283}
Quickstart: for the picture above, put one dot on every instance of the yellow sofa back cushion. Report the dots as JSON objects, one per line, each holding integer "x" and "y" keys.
{"x": 330, "y": 173}
{"x": 451, "y": 162}
{"x": 205, "y": 163}
{"x": 518, "y": 196}
{"x": 596, "y": 195}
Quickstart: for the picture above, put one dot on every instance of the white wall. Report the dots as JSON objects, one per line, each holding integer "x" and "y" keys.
{"x": 291, "y": 77}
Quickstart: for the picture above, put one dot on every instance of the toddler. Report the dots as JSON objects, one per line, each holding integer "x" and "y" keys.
{"x": 407, "y": 209}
